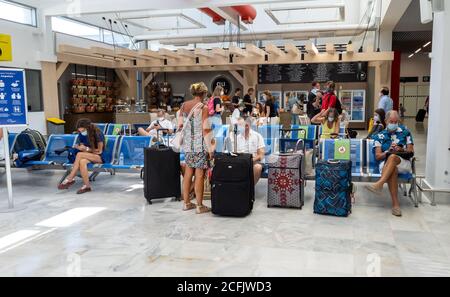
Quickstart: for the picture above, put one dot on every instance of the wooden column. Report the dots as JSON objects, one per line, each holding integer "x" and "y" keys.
{"x": 50, "y": 89}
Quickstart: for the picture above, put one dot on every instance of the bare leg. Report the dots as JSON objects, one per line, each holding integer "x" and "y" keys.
{"x": 199, "y": 185}
{"x": 75, "y": 168}
{"x": 143, "y": 132}
{"x": 393, "y": 188}
{"x": 187, "y": 181}
{"x": 389, "y": 169}
{"x": 84, "y": 172}
{"x": 257, "y": 171}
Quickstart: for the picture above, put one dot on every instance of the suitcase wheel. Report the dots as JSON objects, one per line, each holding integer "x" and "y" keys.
{"x": 150, "y": 203}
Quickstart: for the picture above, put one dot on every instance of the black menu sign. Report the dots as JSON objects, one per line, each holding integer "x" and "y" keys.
{"x": 306, "y": 73}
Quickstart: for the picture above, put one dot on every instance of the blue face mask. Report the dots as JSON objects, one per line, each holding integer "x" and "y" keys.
{"x": 241, "y": 130}
{"x": 84, "y": 133}
{"x": 392, "y": 127}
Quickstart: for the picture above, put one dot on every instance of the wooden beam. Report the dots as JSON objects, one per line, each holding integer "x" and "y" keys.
{"x": 101, "y": 51}
{"x": 125, "y": 53}
{"x": 123, "y": 76}
{"x": 220, "y": 52}
{"x": 61, "y": 68}
{"x": 185, "y": 53}
{"x": 330, "y": 48}
{"x": 203, "y": 53}
{"x": 237, "y": 76}
{"x": 292, "y": 49}
{"x": 311, "y": 49}
{"x": 350, "y": 48}
{"x": 150, "y": 54}
{"x": 274, "y": 50}
{"x": 148, "y": 79}
{"x": 254, "y": 50}
{"x": 168, "y": 53}
{"x": 92, "y": 61}
{"x": 238, "y": 51}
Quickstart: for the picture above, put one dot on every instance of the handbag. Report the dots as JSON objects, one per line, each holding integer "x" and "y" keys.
{"x": 404, "y": 155}
{"x": 177, "y": 141}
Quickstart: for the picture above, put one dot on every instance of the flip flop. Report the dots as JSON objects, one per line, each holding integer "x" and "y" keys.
{"x": 375, "y": 191}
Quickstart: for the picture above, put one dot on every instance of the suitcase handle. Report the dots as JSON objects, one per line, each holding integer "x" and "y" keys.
{"x": 333, "y": 162}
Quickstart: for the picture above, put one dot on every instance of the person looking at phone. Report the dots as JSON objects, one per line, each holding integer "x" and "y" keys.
{"x": 161, "y": 123}
{"x": 394, "y": 149}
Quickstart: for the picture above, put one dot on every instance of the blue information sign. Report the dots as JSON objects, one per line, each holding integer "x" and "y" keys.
{"x": 13, "y": 97}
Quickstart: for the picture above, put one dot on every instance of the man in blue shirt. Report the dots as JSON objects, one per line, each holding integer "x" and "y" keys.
{"x": 386, "y": 103}
{"x": 392, "y": 146}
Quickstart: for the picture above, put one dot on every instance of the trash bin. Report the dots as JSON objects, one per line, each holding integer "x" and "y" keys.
{"x": 55, "y": 126}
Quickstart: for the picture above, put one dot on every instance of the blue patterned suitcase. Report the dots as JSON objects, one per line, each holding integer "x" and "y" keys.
{"x": 333, "y": 188}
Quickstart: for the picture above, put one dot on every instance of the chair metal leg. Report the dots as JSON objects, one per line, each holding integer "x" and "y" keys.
{"x": 66, "y": 174}
{"x": 94, "y": 176}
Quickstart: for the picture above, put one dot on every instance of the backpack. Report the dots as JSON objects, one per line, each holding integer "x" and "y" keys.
{"x": 338, "y": 106}
{"x": 211, "y": 107}
{"x": 29, "y": 146}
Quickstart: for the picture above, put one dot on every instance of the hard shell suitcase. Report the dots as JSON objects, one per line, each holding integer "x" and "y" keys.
{"x": 161, "y": 173}
{"x": 286, "y": 182}
{"x": 333, "y": 188}
{"x": 421, "y": 116}
{"x": 232, "y": 184}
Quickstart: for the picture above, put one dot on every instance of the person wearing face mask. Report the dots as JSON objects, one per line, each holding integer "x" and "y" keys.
{"x": 329, "y": 99}
{"x": 249, "y": 142}
{"x": 160, "y": 124}
{"x": 89, "y": 146}
{"x": 394, "y": 147}
{"x": 329, "y": 119}
{"x": 379, "y": 123}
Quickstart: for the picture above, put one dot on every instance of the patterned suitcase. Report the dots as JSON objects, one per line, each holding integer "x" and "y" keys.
{"x": 286, "y": 181}
{"x": 333, "y": 188}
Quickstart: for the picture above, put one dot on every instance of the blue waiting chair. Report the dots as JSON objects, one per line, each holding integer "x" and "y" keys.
{"x": 51, "y": 159}
{"x": 118, "y": 129}
{"x": 329, "y": 152}
{"x": 132, "y": 150}
{"x": 102, "y": 126}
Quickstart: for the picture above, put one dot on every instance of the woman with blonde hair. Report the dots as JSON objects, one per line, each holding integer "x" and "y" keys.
{"x": 216, "y": 118}
{"x": 196, "y": 146}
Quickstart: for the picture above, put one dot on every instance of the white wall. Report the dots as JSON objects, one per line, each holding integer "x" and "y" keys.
{"x": 419, "y": 65}
{"x": 26, "y": 43}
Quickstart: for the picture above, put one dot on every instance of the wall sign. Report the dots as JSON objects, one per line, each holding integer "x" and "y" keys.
{"x": 13, "y": 97}
{"x": 306, "y": 73}
{"x": 5, "y": 47}
{"x": 224, "y": 82}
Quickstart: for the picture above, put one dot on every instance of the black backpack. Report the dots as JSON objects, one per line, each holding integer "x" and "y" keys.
{"x": 30, "y": 140}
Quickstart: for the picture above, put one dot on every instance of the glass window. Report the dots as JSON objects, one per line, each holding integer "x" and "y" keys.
{"x": 34, "y": 90}
{"x": 70, "y": 27}
{"x": 17, "y": 13}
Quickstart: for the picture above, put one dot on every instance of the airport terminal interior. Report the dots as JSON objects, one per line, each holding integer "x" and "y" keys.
{"x": 243, "y": 138}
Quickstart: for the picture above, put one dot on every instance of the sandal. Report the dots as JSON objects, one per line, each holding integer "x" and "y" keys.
{"x": 396, "y": 211}
{"x": 374, "y": 190}
{"x": 202, "y": 209}
{"x": 83, "y": 190}
{"x": 189, "y": 206}
{"x": 66, "y": 184}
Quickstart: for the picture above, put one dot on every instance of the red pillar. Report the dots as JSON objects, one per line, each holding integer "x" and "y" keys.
{"x": 395, "y": 79}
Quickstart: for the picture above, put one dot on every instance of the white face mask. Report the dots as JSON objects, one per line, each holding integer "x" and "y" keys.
{"x": 161, "y": 119}
{"x": 84, "y": 133}
{"x": 330, "y": 119}
{"x": 376, "y": 118}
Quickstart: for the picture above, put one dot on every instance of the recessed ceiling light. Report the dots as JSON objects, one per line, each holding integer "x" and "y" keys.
{"x": 418, "y": 51}
{"x": 427, "y": 44}
{"x": 410, "y": 56}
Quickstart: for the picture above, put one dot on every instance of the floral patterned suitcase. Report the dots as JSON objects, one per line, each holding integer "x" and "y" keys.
{"x": 286, "y": 181}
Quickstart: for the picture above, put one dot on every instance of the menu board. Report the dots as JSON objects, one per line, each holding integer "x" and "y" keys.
{"x": 306, "y": 73}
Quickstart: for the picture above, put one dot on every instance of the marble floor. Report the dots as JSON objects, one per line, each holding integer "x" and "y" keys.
{"x": 113, "y": 232}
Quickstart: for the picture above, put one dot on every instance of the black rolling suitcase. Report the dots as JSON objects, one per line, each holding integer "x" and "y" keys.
{"x": 232, "y": 184}
{"x": 161, "y": 173}
{"x": 420, "y": 118}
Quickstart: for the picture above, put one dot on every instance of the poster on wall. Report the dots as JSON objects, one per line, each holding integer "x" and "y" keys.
{"x": 13, "y": 97}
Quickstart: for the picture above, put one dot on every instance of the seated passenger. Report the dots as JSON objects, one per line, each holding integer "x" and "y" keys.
{"x": 160, "y": 124}
{"x": 379, "y": 123}
{"x": 90, "y": 145}
{"x": 329, "y": 119}
{"x": 249, "y": 142}
{"x": 391, "y": 145}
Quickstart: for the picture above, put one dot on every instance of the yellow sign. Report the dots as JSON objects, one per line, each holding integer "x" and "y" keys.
{"x": 5, "y": 47}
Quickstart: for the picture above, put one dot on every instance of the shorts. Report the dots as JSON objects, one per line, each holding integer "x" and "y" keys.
{"x": 404, "y": 166}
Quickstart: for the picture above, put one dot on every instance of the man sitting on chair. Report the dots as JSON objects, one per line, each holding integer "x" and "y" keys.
{"x": 392, "y": 147}
{"x": 249, "y": 142}
{"x": 160, "y": 124}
